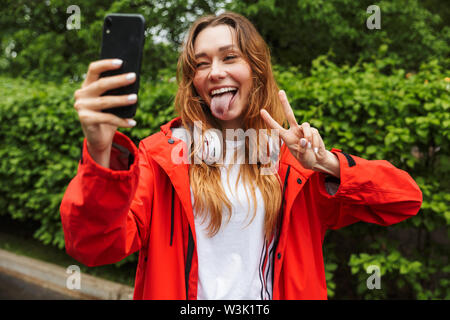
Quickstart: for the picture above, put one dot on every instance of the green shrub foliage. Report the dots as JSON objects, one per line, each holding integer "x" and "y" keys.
{"x": 35, "y": 43}
{"x": 303, "y": 30}
{"x": 373, "y": 110}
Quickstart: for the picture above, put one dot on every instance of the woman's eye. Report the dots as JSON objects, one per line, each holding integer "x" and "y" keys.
{"x": 226, "y": 58}
{"x": 230, "y": 57}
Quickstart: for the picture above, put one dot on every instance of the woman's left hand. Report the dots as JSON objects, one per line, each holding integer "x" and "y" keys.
{"x": 304, "y": 141}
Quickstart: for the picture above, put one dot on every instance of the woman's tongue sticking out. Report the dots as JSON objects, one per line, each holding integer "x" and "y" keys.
{"x": 221, "y": 103}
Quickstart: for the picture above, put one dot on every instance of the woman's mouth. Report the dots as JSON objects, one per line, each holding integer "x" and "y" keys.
{"x": 221, "y": 102}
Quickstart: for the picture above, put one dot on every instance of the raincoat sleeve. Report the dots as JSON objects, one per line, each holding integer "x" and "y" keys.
{"x": 372, "y": 191}
{"x": 104, "y": 212}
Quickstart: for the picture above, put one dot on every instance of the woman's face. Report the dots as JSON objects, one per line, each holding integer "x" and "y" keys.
{"x": 221, "y": 65}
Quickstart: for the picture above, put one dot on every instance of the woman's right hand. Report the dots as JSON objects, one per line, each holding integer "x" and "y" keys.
{"x": 99, "y": 127}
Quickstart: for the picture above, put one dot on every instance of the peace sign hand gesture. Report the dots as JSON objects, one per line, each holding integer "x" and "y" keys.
{"x": 303, "y": 141}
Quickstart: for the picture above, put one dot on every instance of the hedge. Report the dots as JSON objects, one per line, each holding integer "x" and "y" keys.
{"x": 373, "y": 110}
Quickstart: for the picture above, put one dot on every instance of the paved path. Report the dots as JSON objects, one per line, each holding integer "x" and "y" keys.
{"x": 12, "y": 288}
{"x": 52, "y": 279}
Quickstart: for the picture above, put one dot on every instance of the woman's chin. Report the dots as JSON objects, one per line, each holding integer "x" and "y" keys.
{"x": 223, "y": 116}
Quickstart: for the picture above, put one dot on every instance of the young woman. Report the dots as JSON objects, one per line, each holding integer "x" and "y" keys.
{"x": 200, "y": 234}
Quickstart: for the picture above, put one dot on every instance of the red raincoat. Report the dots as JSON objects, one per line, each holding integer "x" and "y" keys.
{"x": 107, "y": 214}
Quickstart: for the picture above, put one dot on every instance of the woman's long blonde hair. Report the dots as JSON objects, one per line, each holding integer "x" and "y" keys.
{"x": 205, "y": 180}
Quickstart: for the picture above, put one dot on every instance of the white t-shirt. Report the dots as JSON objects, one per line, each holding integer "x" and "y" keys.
{"x": 231, "y": 263}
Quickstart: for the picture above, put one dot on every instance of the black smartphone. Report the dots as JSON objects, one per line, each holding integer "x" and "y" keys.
{"x": 123, "y": 38}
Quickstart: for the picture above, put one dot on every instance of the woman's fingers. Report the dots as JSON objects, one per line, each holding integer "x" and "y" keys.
{"x": 104, "y": 84}
{"x": 98, "y": 67}
{"x": 100, "y": 103}
{"x": 89, "y": 117}
{"x": 322, "y": 150}
{"x": 287, "y": 109}
{"x": 88, "y": 99}
{"x": 307, "y": 132}
{"x": 271, "y": 122}
{"x": 315, "y": 140}
{"x": 303, "y": 145}
{"x": 311, "y": 140}
{"x": 282, "y": 132}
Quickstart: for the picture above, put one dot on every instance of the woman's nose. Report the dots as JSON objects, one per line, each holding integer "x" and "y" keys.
{"x": 217, "y": 71}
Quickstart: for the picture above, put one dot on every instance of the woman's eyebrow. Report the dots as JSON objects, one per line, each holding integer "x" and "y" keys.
{"x": 202, "y": 54}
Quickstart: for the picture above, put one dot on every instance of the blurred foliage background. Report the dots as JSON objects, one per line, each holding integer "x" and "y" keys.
{"x": 378, "y": 94}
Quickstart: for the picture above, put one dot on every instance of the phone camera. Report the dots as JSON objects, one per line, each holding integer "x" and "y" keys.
{"x": 108, "y": 22}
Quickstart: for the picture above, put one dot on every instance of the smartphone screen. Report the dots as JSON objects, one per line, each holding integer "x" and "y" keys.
{"x": 123, "y": 38}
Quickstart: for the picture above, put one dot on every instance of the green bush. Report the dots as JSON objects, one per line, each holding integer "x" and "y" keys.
{"x": 35, "y": 43}
{"x": 373, "y": 110}
{"x": 306, "y": 29}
